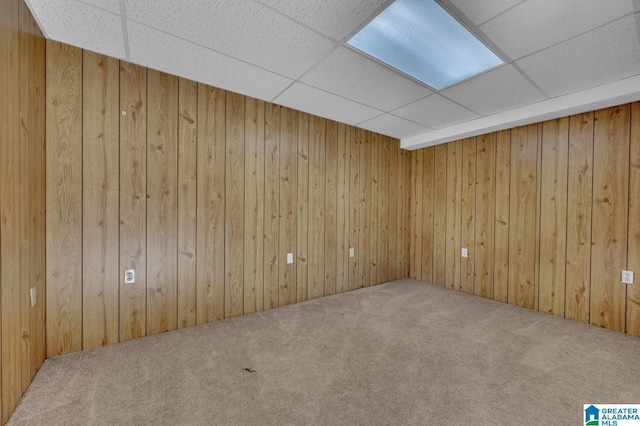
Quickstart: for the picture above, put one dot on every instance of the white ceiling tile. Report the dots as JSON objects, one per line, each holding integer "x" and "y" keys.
{"x": 351, "y": 75}
{"x": 601, "y": 56}
{"x": 314, "y": 101}
{"x": 481, "y": 11}
{"x": 538, "y": 24}
{"x": 243, "y": 29}
{"x": 109, "y": 5}
{"x": 169, "y": 54}
{"x": 81, "y": 25}
{"x": 499, "y": 90}
{"x": 333, "y": 18}
{"x": 436, "y": 112}
{"x": 393, "y": 126}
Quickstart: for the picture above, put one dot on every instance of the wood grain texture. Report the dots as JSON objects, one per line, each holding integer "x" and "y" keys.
{"x": 187, "y": 201}
{"x": 522, "y": 216}
{"x": 64, "y": 201}
{"x": 373, "y": 198}
{"x": 579, "y": 205}
{"x": 100, "y": 189}
{"x": 440, "y": 215}
{"x": 610, "y": 210}
{"x": 288, "y": 192}
{"x": 234, "y": 222}
{"x": 302, "y": 223}
{"x": 405, "y": 227}
{"x": 330, "y": 208}
{"x": 254, "y": 173}
{"x": 553, "y": 219}
{"x": 365, "y": 211}
{"x": 162, "y": 199}
{"x": 11, "y": 203}
{"x": 454, "y": 211}
{"x": 417, "y": 198}
{"x": 468, "y": 213}
{"x": 342, "y": 267}
{"x": 211, "y": 203}
{"x": 485, "y": 214}
{"x": 354, "y": 208}
{"x": 394, "y": 227}
{"x": 502, "y": 216}
{"x": 271, "y": 206}
{"x": 383, "y": 209}
{"x": 633, "y": 244}
{"x": 428, "y": 194}
{"x": 317, "y": 183}
{"x": 133, "y": 196}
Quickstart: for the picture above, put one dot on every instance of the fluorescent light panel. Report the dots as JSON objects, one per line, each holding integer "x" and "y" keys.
{"x": 421, "y": 39}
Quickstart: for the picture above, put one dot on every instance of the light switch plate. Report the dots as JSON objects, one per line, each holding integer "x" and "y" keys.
{"x": 465, "y": 252}
{"x": 32, "y": 293}
{"x": 289, "y": 258}
{"x": 352, "y": 252}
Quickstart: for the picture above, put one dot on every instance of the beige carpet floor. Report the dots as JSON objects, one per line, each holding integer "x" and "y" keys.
{"x": 402, "y": 353}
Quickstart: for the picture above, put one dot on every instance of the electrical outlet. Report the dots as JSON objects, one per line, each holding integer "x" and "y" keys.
{"x": 627, "y": 277}
{"x": 289, "y": 258}
{"x": 465, "y": 252}
{"x": 352, "y": 252}
{"x": 130, "y": 276}
{"x": 32, "y": 293}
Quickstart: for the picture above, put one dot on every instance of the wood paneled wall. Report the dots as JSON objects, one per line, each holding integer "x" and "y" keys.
{"x": 203, "y": 192}
{"x": 549, "y": 213}
{"x": 22, "y": 201}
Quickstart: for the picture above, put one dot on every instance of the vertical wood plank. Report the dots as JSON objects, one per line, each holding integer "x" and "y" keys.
{"x": 354, "y": 208}
{"x": 210, "y": 204}
{"x": 254, "y": 206}
{"x": 342, "y": 272}
{"x": 633, "y": 254}
{"x": 454, "y": 218}
{"x": 330, "y": 203}
{"x": 100, "y": 218}
{"x": 522, "y": 218}
{"x": 468, "y": 211}
{"x": 302, "y": 233}
{"x": 427, "y": 217}
{"x": 187, "y": 201}
{"x": 417, "y": 159}
{"x": 365, "y": 212}
{"x": 610, "y": 209}
{"x": 485, "y": 214}
{"x": 373, "y": 204}
{"x": 11, "y": 231}
{"x": 317, "y": 183}
{"x": 271, "y": 205}
{"x": 394, "y": 228}
{"x": 502, "y": 216}
{"x": 133, "y": 197}
{"x": 288, "y": 192}
{"x": 162, "y": 207}
{"x": 234, "y": 190}
{"x": 64, "y": 205}
{"x": 406, "y": 211}
{"x": 553, "y": 219}
{"x": 383, "y": 240}
{"x": 440, "y": 215}
{"x": 580, "y": 193}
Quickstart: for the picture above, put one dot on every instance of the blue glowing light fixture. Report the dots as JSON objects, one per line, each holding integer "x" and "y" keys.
{"x": 421, "y": 39}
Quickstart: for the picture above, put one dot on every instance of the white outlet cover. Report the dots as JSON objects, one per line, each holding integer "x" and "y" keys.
{"x": 465, "y": 252}
{"x": 289, "y": 258}
{"x": 130, "y": 276}
{"x": 32, "y": 293}
{"x": 352, "y": 252}
{"x": 627, "y": 277}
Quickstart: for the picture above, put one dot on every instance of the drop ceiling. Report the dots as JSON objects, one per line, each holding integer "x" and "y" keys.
{"x": 561, "y": 57}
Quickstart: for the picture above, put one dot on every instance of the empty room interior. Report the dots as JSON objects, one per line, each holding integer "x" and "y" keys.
{"x": 318, "y": 212}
